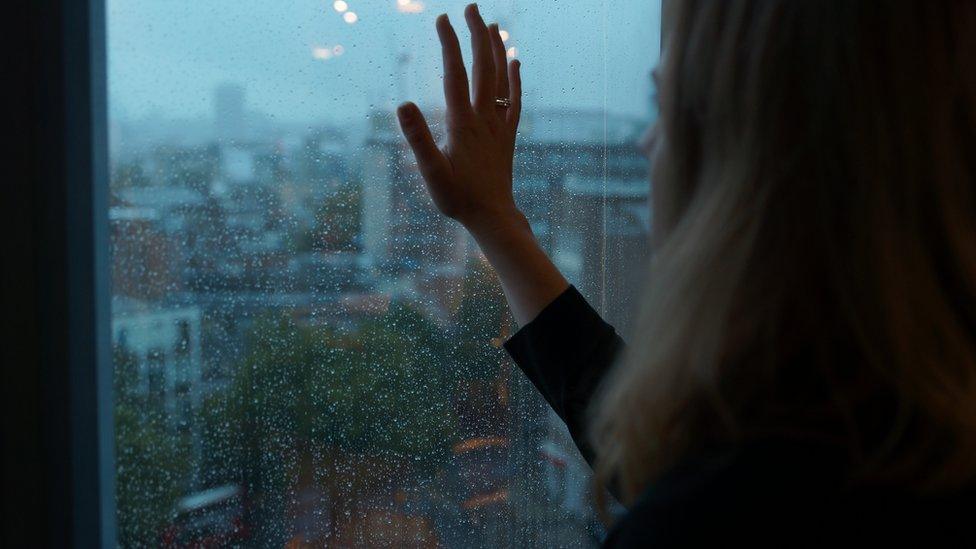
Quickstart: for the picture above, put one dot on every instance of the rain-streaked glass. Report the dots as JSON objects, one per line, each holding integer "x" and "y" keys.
{"x": 306, "y": 353}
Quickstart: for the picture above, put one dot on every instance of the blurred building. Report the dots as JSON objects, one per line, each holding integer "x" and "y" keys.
{"x": 146, "y": 261}
{"x": 402, "y": 230}
{"x": 164, "y": 346}
{"x": 602, "y": 240}
{"x": 583, "y": 183}
{"x": 230, "y": 116}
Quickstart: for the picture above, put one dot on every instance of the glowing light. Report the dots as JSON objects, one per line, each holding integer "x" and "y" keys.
{"x": 338, "y": 50}
{"x": 410, "y": 6}
{"x": 512, "y": 52}
{"x": 350, "y": 17}
{"x": 340, "y": 6}
{"x": 480, "y": 443}
{"x": 504, "y": 34}
{"x": 322, "y": 54}
{"x": 480, "y": 501}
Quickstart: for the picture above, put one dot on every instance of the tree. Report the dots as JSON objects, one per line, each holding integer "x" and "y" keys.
{"x": 151, "y": 460}
{"x": 361, "y": 411}
{"x": 481, "y": 320}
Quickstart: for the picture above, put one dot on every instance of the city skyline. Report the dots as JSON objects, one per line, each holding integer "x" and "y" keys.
{"x": 166, "y": 58}
{"x": 305, "y": 350}
{"x": 232, "y": 257}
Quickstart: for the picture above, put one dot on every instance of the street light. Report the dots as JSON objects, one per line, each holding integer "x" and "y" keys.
{"x": 322, "y": 54}
{"x": 410, "y": 6}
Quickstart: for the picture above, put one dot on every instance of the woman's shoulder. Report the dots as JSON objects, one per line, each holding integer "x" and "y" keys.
{"x": 786, "y": 493}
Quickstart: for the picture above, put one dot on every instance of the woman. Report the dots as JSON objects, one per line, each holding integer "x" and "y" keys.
{"x": 804, "y": 370}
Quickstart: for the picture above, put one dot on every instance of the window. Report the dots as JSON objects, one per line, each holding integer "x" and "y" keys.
{"x": 306, "y": 354}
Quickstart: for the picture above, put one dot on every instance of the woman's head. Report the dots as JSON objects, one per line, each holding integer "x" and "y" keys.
{"x": 815, "y": 232}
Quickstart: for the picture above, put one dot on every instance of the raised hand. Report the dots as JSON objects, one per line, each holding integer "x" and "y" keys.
{"x": 470, "y": 178}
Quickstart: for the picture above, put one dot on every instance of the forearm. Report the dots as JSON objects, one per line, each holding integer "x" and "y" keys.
{"x": 566, "y": 351}
{"x": 528, "y": 277}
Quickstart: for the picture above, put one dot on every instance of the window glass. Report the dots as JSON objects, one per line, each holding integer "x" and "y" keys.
{"x": 305, "y": 353}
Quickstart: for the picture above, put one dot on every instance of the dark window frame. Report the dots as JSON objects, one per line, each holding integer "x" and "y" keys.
{"x": 59, "y": 463}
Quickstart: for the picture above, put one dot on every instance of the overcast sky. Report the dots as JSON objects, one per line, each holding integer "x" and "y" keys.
{"x": 167, "y": 56}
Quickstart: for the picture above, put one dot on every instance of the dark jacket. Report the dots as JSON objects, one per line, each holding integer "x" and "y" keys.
{"x": 768, "y": 493}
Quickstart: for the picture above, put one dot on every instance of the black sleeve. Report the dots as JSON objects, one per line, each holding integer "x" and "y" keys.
{"x": 565, "y": 352}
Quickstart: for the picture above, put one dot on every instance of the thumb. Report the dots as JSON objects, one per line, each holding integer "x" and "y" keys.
{"x": 431, "y": 161}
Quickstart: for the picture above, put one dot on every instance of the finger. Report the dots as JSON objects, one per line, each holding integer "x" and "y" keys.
{"x": 455, "y": 75}
{"x": 484, "y": 65}
{"x": 432, "y": 163}
{"x": 501, "y": 61}
{"x": 515, "y": 93}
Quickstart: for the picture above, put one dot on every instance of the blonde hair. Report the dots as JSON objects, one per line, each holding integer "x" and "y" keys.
{"x": 815, "y": 271}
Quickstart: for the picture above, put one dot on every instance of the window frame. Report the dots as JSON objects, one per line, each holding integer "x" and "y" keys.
{"x": 60, "y": 484}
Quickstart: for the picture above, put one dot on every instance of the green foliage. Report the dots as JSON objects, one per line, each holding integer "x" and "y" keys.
{"x": 399, "y": 389}
{"x": 351, "y": 407}
{"x": 480, "y": 318}
{"x": 222, "y": 439}
{"x": 381, "y": 393}
{"x": 151, "y": 460}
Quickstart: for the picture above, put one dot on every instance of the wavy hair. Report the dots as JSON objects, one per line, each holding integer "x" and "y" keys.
{"x": 815, "y": 230}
